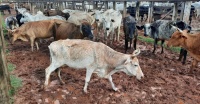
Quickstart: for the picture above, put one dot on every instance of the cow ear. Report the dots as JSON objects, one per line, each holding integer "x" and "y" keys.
{"x": 92, "y": 14}
{"x": 139, "y": 27}
{"x": 112, "y": 20}
{"x": 126, "y": 61}
{"x": 184, "y": 34}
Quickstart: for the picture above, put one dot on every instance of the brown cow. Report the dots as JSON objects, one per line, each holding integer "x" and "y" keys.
{"x": 35, "y": 30}
{"x": 190, "y": 42}
{"x": 72, "y": 31}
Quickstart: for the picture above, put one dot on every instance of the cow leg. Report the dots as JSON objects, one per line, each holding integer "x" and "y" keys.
{"x": 181, "y": 54}
{"x": 131, "y": 39}
{"x": 58, "y": 75}
{"x": 155, "y": 44}
{"x": 48, "y": 72}
{"x": 184, "y": 56}
{"x": 89, "y": 72}
{"x": 32, "y": 43}
{"x": 110, "y": 79}
{"x": 118, "y": 32}
{"x": 105, "y": 37}
{"x": 126, "y": 44}
{"x": 36, "y": 43}
{"x": 162, "y": 45}
{"x": 135, "y": 41}
{"x": 194, "y": 64}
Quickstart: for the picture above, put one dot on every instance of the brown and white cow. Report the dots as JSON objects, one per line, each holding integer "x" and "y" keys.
{"x": 96, "y": 57}
{"x": 36, "y": 30}
{"x": 188, "y": 41}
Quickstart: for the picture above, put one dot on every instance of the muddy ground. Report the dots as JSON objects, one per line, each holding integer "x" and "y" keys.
{"x": 166, "y": 80}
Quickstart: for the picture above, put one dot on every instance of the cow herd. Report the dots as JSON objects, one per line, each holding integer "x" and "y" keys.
{"x": 73, "y": 44}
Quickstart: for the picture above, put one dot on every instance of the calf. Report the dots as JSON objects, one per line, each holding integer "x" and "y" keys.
{"x": 73, "y": 31}
{"x": 190, "y": 42}
{"x": 111, "y": 24}
{"x": 35, "y": 30}
{"x": 96, "y": 57}
{"x": 129, "y": 31}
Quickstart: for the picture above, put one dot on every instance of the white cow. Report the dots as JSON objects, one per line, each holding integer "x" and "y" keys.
{"x": 111, "y": 24}
{"x": 96, "y": 57}
{"x": 39, "y": 16}
{"x": 197, "y": 13}
{"x": 98, "y": 15}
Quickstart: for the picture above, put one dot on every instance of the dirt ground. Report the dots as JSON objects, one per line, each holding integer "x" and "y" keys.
{"x": 166, "y": 80}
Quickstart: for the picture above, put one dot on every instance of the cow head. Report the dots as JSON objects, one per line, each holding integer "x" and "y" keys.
{"x": 131, "y": 66}
{"x": 107, "y": 22}
{"x": 148, "y": 28}
{"x": 86, "y": 30}
{"x": 182, "y": 25}
{"x": 17, "y": 34}
{"x": 98, "y": 15}
{"x": 177, "y": 38}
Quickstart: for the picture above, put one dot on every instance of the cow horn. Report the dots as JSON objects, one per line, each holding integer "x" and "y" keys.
{"x": 177, "y": 28}
{"x": 136, "y": 52}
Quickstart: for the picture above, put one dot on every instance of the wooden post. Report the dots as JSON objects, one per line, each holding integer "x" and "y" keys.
{"x": 114, "y": 5}
{"x": 175, "y": 11}
{"x": 4, "y": 75}
{"x": 106, "y": 5}
{"x": 64, "y": 7}
{"x": 96, "y": 5}
{"x": 42, "y": 6}
{"x": 83, "y": 5}
{"x": 187, "y": 9}
{"x": 124, "y": 11}
{"x": 61, "y": 6}
{"x": 33, "y": 5}
{"x": 73, "y": 5}
{"x": 150, "y": 12}
{"x": 182, "y": 10}
{"x": 137, "y": 11}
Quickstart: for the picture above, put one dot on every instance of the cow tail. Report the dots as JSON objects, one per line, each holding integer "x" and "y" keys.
{"x": 51, "y": 53}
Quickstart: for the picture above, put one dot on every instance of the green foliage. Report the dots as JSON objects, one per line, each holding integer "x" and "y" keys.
{"x": 11, "y": 67}
{"x": 150, "y": 40}
{"x": 15, "y": 84}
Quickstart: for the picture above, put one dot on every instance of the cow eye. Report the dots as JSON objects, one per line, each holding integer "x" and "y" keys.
{"x": 135, "y": 65}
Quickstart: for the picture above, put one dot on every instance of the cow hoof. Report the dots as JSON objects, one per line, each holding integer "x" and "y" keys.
{"x": 116, "y": 89}
{"x": 85, "y": 91}
{"x": 62, "y": 83}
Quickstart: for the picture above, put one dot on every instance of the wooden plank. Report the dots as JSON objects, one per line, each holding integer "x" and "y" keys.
{"x": 137, "y": 11}
{"x": 182, "y": 10}
{"x": 150, "y": 12}
{"x": 187, "y": 9}
{"x": 114, "y": 5}
{"x": 175, "y": 12}
{"x": 106, "y": 5}
{"x": 124, "y": 11}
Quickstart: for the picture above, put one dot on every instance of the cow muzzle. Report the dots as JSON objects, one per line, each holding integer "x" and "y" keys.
{"x": 97, "y": 20}
{"x": 107, "y": 28}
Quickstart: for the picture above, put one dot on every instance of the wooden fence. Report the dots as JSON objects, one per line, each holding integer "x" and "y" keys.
{"x": 4, "y": 75}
